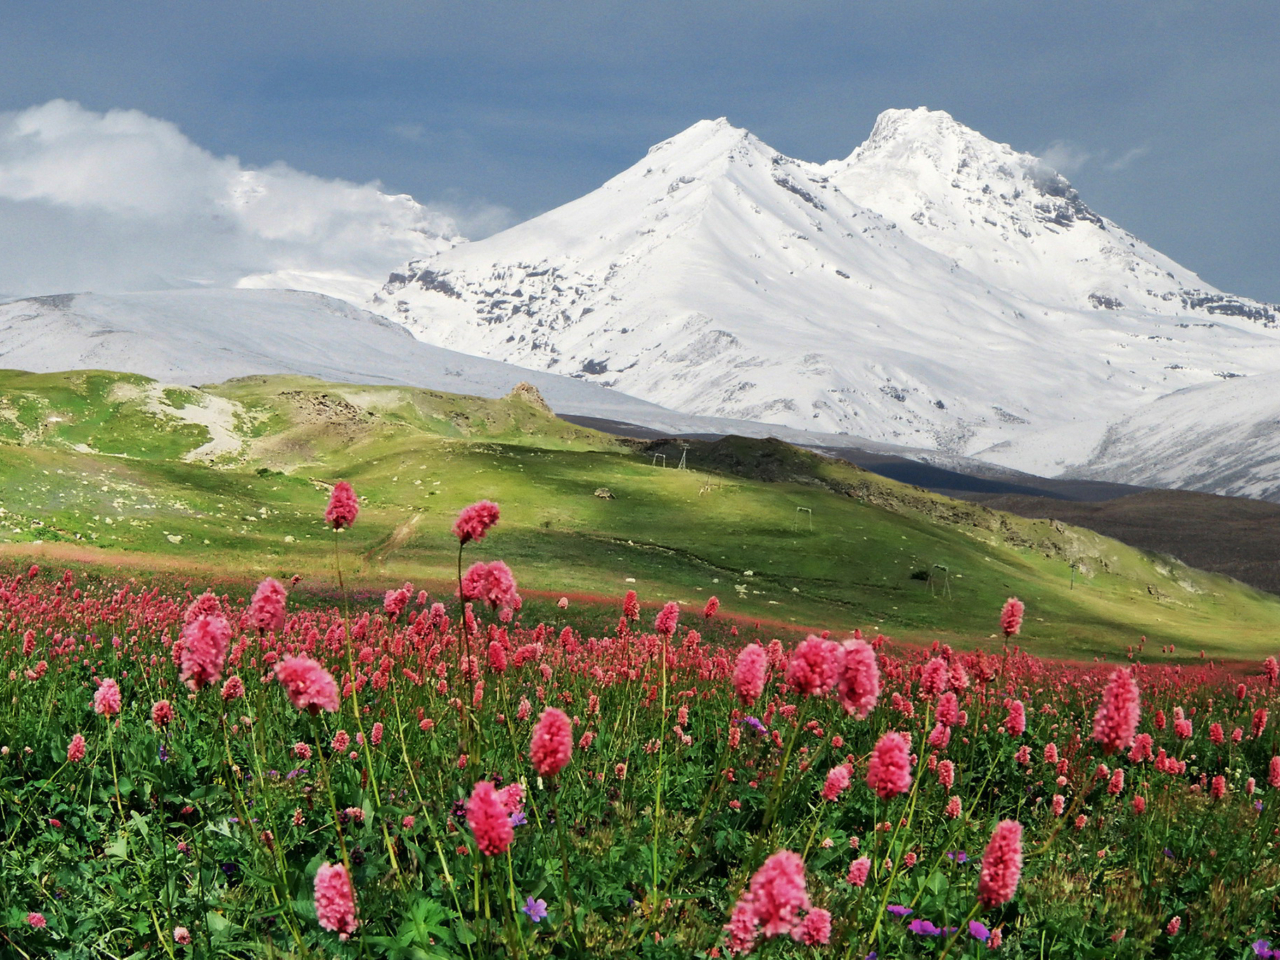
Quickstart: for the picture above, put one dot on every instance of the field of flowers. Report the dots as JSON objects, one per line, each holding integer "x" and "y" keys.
{"x": 207, "y": 776}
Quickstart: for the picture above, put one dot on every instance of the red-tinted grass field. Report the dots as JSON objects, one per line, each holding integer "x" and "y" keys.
{"x": 214, "y": 776}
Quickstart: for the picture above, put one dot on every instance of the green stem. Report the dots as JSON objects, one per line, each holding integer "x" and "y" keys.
{"x": 657, "y": 788}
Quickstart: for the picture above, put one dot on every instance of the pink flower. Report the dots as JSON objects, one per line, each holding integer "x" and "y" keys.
{"x": 162, "y": 713}
{"x": 1059, "y": 804}
{"x": 1139, "y": 805}
{"x": 631, "y": 606}
{"x": 935, "y": 678}
{"x": 204, "y": 650}
{"x": 1218, "y": 787}
{"x": 709, "y": 611}
{"x": 37, "y": 920}
{"x": 749, "y": 673}
{"x": 1259, "y": 722}
{"x": 1273, "y": 772}
{"x": 815, "y": 666}
{"x": 336, "y": 900}
{"x": 858, "y": 871}
{"x": 75, "y": 749}
{"x": 814, "y": 929}
{"x": 233, "y": 689}
{"x": 1117, "y": 718}
{"x": 742, "y": 928}
{"x": 266, "y": 609}
{"x": 1015, "y": 721}
{"x": 952, "y": 810}
{"x": 1001, "y": 865}
{"x": 512, "y": 798}
{"x": 341, "y": 740}
{"x": 375, "y": 735}
{"x": 939, "y": 736}
{"x": 946, "y": 774}
{"x": 309, "y": 685}
{"x": 1011, "y": 617}
{"x": 948, "y": 712}
{"x": 552, "y": 744}
{"x": 205, "y": 605}
{"x": 302, "y": 750}
{"x": 1174, "y": 925}
{"x": 474, "y": 521}
{"x": 837, "y": 781}
{"x": 778, "y": 893}
{"x": 181, "y": 935}
{"x": 343, "y": 508}
{"x": 889, "y": 767}
{"x": 106, "y": 699}
{"x": 1271, "y": 669}
{"x": 859, "y": 685}
{"x": 394, "y": 601}
{"x": 667, "y": 619}
{"x": 497, "y": 657}
{"x": 489, "y": 820}
{"x": 492, "y": 583}
{"x": 1116, "y": 786}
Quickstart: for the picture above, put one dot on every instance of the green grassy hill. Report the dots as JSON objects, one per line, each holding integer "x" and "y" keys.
{"x": 233, "y": 479}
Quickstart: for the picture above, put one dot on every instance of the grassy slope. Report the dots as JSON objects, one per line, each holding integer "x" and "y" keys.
{"x": 416, "y": 457}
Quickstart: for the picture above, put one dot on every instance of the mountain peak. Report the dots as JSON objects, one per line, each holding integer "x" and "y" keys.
{"x": 705, "y": 138}
{"x": 937, "y": 138}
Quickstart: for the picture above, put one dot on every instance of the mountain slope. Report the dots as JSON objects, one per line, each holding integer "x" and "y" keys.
{"x": 1218, "y": 438}
{"x": 718, "y": 277}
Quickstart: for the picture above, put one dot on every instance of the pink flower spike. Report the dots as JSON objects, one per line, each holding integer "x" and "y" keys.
{"x": 778, "y": 893}
{"x": 814, "y": 929}
{"x": 309, "y": 685}
{"x": 204, "y": 650}
{"x": 475, "y": 521}
{"x": 336, "y": 900}
{"x": 1011, "y": 617}
{"x": 837, "y": 782}
{"x": 858, "y": 871}
{"x": 815, "y": 667}
{"x": 75, "y": 749}
{"x": 1001, "y": 865}
{"x": 489, "y": 820}
{"x": 889, "y": 767}
{"x": 106, "y": 699}
{"x": 266, "y": 609}
{"x": 667, "y": 619}
{"x": 749, "y": 673}
{"x": 1116, "y": 721}
{"x": 343, "y": 508}
{"x": 552, "y": 742}
{"x": 859, "y": 686}
{"x": 491, "y": 583}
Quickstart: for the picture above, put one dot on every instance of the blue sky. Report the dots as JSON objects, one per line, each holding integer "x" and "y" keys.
{"x": 1165, "y": 115}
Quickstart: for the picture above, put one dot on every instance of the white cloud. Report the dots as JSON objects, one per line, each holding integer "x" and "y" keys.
{"x": 124, "y": 201}
{"x": 1128, "y": 157}
{"x": 1065, "y": 157}
{"x": 1068, "y": 158}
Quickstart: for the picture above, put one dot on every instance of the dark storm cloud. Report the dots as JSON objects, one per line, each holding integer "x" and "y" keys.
{"x": 1168, "y": 114}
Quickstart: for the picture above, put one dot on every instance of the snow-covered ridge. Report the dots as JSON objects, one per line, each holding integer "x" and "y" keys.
{"x": 933, "y": 289}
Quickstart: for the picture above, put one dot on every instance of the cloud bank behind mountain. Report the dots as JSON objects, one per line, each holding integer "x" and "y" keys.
{"x": 122, "y": 201}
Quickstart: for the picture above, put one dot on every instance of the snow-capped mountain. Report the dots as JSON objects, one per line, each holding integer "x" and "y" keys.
{"x": 1219, "y": 438}
{"x": 933, "y": 289}
{"x": 206, "y": 336}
